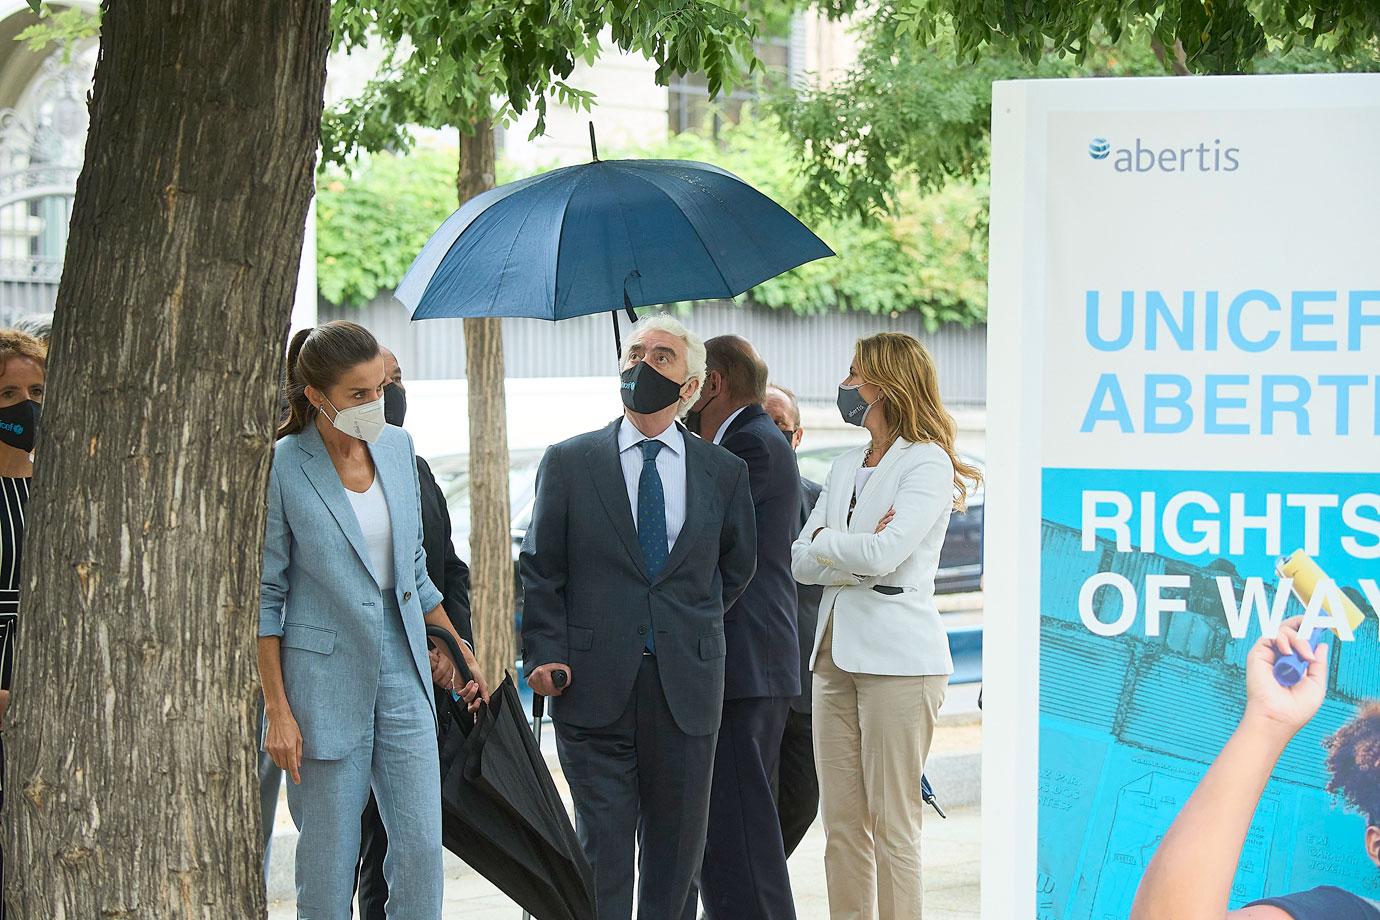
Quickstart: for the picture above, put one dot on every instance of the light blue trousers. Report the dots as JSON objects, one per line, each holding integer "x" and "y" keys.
{"x": 399, "y": 762}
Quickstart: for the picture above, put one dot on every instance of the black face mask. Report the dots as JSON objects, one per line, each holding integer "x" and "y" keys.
{"x": 692, "y": 418}
{"x": 394, "y": 404}
{"x": 645, "y": 391}
{"x": 19, "y": 425}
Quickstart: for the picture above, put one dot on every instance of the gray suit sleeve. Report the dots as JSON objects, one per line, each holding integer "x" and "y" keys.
{"x": 738, "y": 539}
{"x": 543, "y": 563}
{"x": 273, "y": 583}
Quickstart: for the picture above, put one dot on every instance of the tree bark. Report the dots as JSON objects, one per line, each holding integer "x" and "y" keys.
{"x": 491, "y": 565}
{"x": 131, "y": 782}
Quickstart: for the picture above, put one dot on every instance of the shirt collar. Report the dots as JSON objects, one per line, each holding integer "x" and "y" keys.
{"x": 723, "y": 429}
{"x": 629, "y": 437}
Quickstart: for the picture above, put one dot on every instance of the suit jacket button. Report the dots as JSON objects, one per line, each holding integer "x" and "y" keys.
{"x": 642, "y": 630}
{"x": 407, "y": 596}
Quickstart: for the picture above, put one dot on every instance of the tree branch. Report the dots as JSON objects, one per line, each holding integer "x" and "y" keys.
{"x": 1179, "y": 63}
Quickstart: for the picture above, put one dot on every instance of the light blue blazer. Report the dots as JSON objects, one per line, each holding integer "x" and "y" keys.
{"x": 320, "y": 595}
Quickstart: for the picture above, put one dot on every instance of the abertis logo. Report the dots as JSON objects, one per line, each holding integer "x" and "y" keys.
{"x": 1144, "y": 157}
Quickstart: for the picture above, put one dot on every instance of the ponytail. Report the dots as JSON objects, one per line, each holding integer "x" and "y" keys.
{"x": 318, "y": 357}
{"x": 300, "y": 411}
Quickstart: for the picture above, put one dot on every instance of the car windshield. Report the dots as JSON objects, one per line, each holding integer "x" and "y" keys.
{"x": 453, "y": 476}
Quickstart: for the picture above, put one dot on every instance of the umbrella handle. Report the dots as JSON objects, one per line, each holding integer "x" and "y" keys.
{"x": 439, "y": 632}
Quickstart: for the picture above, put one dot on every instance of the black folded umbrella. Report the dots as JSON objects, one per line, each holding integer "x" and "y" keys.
{"x": 500, "y": 811}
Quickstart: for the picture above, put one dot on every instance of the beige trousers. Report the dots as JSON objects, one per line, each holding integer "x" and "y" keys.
{"x": 872, "y": 736}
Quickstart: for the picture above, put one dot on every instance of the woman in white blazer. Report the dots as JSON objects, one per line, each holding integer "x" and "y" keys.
{"x": 881, "y": 656}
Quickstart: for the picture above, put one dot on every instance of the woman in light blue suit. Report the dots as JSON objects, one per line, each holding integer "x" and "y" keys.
{"x": 344, "y": 605}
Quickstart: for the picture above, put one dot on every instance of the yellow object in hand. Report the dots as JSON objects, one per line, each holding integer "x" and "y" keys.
{"x": 1307, "y": 575}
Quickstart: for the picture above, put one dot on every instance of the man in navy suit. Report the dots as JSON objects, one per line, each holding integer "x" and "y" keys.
{"x": 744, "y": 874}
{"x": 797, "y": 787}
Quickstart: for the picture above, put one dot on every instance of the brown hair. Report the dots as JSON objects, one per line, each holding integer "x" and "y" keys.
{"x": 901, "y": 367}
{"x": 16, "y": 344}
{"x": 318, "y": 357}
{"x": 1353, "y": 760}
{"x": 744, "y": 371}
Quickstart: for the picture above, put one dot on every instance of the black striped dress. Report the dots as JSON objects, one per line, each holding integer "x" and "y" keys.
{"x": 14, "y": 497}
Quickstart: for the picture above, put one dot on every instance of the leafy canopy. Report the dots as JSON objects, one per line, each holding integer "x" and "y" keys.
{"x": 929, "y": 258}
{"x": 918, "y": 100}
{"x": 457, "y": 64}
{"x": 1216, "y": 36}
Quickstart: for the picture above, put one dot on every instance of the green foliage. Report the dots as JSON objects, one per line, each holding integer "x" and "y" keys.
{"x": 446, "y": 63}
{"x": 373, "y": 219}
{"x": 371, "y": 224}
{"x": 64, "y": 28}
{"x": 918, "y": 101}
{"x": 930, "y": 257}
{"x": 1216, "y": 36}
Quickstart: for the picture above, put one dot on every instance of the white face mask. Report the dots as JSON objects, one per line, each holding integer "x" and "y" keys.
{"x": 365, "y": 422}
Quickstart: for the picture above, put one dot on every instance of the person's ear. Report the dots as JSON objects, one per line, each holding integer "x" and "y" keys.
{"x": 1373, "y": 844}
{"x": 797, "y": 437}
{"x": 693, "y": 390}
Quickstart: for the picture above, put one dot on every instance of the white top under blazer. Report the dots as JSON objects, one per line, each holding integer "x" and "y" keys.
{"x": 375, "y": 523}
{"x": 895, "y": 634}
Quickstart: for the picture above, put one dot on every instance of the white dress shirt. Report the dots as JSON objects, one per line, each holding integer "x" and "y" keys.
{"x": 670, "y": 464}
{"x": 371, "y": 510}
{"x": 723, "y": 429}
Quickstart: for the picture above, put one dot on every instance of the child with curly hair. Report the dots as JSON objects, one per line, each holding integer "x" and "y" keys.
{"x": 1191, "y": 875}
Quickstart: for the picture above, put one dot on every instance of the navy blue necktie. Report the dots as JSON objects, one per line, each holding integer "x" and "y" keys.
{"x": 651, "y": 517}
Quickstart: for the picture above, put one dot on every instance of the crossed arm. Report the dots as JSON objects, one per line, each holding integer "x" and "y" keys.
{"x": 823, "y": 555}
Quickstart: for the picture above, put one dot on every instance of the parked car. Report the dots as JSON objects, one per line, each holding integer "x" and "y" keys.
{"x": 453, "y": 476}
{"x": 960, "y": 559}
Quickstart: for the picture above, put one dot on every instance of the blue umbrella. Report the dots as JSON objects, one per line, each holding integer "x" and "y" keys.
{"x": 604, "y": 235}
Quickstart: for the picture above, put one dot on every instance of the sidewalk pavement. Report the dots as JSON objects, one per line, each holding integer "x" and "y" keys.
{"x": 951, "y": 857}
{"x": 952, "y": 852}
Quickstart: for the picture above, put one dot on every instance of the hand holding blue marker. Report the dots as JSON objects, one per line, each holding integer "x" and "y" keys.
{"x": 1307, "y": 577}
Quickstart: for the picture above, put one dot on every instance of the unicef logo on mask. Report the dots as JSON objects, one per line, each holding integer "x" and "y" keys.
{"x": 12, "y": 427}
{"x": 1099, "y": 148}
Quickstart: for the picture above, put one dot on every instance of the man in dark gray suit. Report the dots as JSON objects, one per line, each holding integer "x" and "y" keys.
{"x": 797, "y": 798}
{"x": 641, "y": 537}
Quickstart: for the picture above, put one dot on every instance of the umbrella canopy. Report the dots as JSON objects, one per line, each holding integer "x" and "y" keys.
{"x": 604, "y": 235}
{"x": 500, "y": 811}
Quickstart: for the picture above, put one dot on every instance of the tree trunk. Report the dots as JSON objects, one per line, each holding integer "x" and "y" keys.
{"x": 491, "y": 565}
{"x": 131, "y": 784}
